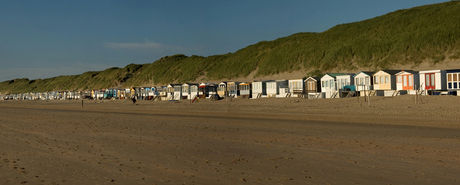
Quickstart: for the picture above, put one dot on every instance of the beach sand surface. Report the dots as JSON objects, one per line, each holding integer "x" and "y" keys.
{"x": 238, "y": 141}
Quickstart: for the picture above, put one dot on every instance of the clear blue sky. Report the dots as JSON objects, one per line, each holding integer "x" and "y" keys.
{"x": 42, "y": 39}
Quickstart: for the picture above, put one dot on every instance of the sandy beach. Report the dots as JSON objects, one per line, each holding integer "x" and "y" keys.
{"x": 243, "y": 141}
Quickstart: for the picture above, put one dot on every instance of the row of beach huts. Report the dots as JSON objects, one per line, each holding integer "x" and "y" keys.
{"x": 330, "y": 85}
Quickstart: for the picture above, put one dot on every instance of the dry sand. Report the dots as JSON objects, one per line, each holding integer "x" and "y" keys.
{"x": 263, "y": 141}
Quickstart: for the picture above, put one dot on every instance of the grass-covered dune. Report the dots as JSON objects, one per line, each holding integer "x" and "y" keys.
{"x": 410, "y": 37}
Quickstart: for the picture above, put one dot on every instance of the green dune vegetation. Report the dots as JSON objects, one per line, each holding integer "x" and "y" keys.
{"x": 425, "y": 34}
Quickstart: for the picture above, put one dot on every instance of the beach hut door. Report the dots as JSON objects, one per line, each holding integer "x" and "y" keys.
{"x": 429, "y": 81}
{"x": 311, "y": 86}
{"x": 407, "y": 82}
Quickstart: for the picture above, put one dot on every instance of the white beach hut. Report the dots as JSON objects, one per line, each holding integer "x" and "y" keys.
{"x": 363, "y": 80}
{"x": 296, "y": 87}
{"x": 170, "y": 92}
{"x": 245, "y": 89}
{"x": 277, "y": 88}
{"x": 433, "y": 80}
{"x": 185, "y": 91}
{"x": 329, "y": 84}
{"x": 345, "y": 80}
{"x": 177, "y": 91}
{"x": 193, "y": 91}
{"x": 259, "y": 89}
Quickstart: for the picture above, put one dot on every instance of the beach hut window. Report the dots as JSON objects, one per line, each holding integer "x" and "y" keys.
{"x": 427, "y": 78}
{"x": 449, "y": 77}
{"x": 399, "y": 79}
{"x": 367, "y": 81}
{"x": 322, "y": 84}
{"x": 332, "y": 83}
{"x": 432, "y": 80}
{"x": 387, "y": 79}
{"x": 193, "y": 89}
{"x": 455, "y": 77}
{"x": 404, "y": 81}
{"x": 410, "y": 80}
{"x": 376, "y": 79}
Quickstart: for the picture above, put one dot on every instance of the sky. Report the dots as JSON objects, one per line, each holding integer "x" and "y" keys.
{"x": 44, "y": 38}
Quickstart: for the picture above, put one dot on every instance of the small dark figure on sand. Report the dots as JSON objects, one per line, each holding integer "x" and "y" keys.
{"x": 134, "y": 100}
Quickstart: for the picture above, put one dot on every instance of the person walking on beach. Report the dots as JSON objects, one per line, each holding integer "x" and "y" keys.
{"x": 134, "y": 100}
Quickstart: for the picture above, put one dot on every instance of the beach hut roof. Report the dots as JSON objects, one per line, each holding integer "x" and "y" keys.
{"x": 391, "y": 72}
{"x": 368, "y": 73}
{"x": 431, "y": 71}
{"x": 406, "y": 71}
{"x": 313, "y": 77}
{"x": 334, "y": 75}
{"x": 453, "y": 71}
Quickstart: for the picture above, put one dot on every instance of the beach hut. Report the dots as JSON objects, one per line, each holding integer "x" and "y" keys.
{"x": 222, "y": 89}
{"x": 277, "y": 88}
{"x": 245, "y": 89}
{"x": 313, "y": 87}
{"x": 272, "y": 91}
{"x": 185, "y": 91}
{"x": 329, "y": 84}
{"x": 363, "y": 80}
{"x": 205, "y": 90}
{"x": 433, "y": 80}
{"x": 345, "y": 82}
{"x": 407, "y": 80}
{"x": 211, "y": 89}
{"x": 108, "y": 93}
{"x": 193, "y": 91}
{"x": 385, "y": 82}
{"x": 453, "y": 80}
{"x": 296, "y": 87}
{"x": 259, "y": 89}
{"x": 312, "y": 84}
{"x": 233, "y": 90}
{"x": 170, "y": 92}
{"x": 177, "y": 91}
